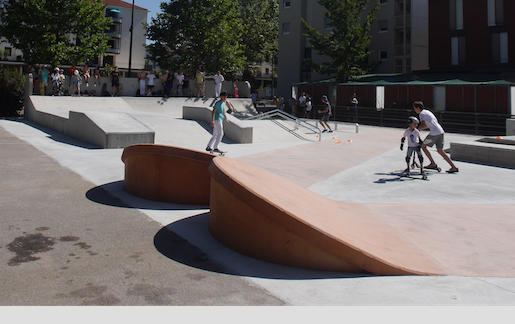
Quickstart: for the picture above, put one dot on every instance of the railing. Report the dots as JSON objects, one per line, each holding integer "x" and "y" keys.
{"x": 451, "y": 121}
{"x": 284, "y": 115}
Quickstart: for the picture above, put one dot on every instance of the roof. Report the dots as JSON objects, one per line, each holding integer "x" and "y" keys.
{"x": 423, "y": 79}
{"x": 122, "y": 4}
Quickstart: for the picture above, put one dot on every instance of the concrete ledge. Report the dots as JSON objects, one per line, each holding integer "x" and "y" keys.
{"x": 254, "y": 213}
{"x": 167, "y": 174}
{"x": 236, "y": 130}
{"x": 485, "y": 153}
{"x": 105, "y": 129}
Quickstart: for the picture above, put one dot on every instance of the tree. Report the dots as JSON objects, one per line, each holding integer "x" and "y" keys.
{"x": 260, "y": 28}
{"x": 201, "y": 34}
{"x": 346, "y": 44}
{"x": 56, "y": 31}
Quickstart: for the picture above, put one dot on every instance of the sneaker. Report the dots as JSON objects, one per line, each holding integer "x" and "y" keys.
{"x": 330, "y": 131}
{"x": 208, "y": 149}
{"x": 325, "y": 130}
{"x": 452, "y": 170}
{"x": 431, "y": 166}
{"x": 218, "y": 151}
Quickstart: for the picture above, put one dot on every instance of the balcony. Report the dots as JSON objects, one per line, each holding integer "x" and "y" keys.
{"x": 114, "y": 35}
{"x": 113, "y": 51}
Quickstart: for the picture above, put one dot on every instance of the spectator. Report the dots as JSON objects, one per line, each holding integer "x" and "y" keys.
{"x": 43, "y": 73}
{"x": 200, "y": 83}
{"x": 115, "y": 81}
{"x": 218, "y": 80}
{"x": 151, "y": 76}
{"x": 142, "y": 77}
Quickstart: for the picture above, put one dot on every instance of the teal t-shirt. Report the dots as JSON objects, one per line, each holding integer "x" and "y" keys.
{"x": 219, "y": 108}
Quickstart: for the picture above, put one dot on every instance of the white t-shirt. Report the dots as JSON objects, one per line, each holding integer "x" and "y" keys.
{"x": 412, "y": 136}
{"x": 308, "y": 106}
{"x": 434, "y": 127}
{"x": 180, "y": 78}
{"x": 218, "y": 79}
{"x": 302, "y": 100}
{"x": 151, "y": 78}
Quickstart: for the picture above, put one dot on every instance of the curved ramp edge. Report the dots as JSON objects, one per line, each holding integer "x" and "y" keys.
{"x": 265, "y": 216}
{"x": 167, "y": 174}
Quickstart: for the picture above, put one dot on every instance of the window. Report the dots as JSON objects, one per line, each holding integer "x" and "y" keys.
{"x": 495, "y": 13}
{"x": 456, "y": 14}
{"x": 458, "y": 50}
{"x": 8, "y": 51}
{"x": 383, "y": 55}
{"x": 286, "y": 4}
{"x": 500, "y": 48}
{"x": 383, "y": 26}
{"x": 327, "y": 23}
{"x": 286, "y": 28}
{"x": 383, "y": 2}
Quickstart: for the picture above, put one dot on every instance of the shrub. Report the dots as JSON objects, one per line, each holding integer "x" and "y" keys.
{"x": 11, "y": 91}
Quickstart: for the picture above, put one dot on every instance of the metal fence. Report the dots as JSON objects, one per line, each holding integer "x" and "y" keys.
{"x": 452, "y": 122}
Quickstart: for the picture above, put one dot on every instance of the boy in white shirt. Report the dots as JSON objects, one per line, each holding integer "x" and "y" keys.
{"x": 436, "y": 133}
{"x": 413, "y": 136}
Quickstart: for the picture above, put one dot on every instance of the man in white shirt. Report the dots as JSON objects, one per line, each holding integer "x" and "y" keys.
{"x": 436, "y": 134}
{"x": 218, "y": 79}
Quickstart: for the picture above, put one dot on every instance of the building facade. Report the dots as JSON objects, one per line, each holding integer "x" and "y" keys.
{"x": 399, "y": 39}
{"x": 119, "y": 37}
{"x": 476, "y": 37}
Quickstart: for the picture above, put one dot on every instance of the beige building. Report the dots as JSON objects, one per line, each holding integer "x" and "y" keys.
{"x": 399, "y": 39}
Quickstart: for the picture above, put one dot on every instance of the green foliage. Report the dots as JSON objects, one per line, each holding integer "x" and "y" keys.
{"x": 11, "y": 92}
{"x": 346, "y": 44}
{"x": 260, "y": 28}
{"x": 108, "y": 69}
{"x": 201, "y": 34}
{"x": 56, "y": 31}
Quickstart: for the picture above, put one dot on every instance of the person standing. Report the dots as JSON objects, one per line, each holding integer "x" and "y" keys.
{"x": 115, "y": 81}
{"x": 151, "y": 76}
{"x": 217, "y": 118}
{"x": 142, "y": 77}
{"x": 72, "y": 70}
{"x": 302, "y": 103}
{"x": 436, "y": 136}
{"x": 55, "y": 81}
{"x": 326, "y": 113}
{"x": 180, "y": 82}
{"x": 354, "y": 110}
{"x": 43, "y": 73}
{"x": 200, "y": 83}
{"x": 186, "y": 85}
{"x": 218, "y": 80}
{"x": 309, "y": 105}
{"x": 164, "y": 79}
{"x": 76, "y": 81}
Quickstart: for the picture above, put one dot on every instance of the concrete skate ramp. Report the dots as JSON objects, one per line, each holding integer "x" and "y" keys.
{"x": 167, "y": 174}
{"x": 109, "y": 127}
{"x": 265, "y": 216}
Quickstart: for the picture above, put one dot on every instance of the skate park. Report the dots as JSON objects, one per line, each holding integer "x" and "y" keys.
{"x": 461, "y": 222}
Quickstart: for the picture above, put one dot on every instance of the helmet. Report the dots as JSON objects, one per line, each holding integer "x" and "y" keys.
{"x": 412, "y": 120}
{"x": 76, "y": 72}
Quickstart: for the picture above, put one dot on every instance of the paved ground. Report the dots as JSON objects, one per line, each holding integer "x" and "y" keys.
{"x": 71, "y": 236}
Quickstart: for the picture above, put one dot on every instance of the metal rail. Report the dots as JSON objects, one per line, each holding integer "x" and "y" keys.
{"x": 284, "y": 115}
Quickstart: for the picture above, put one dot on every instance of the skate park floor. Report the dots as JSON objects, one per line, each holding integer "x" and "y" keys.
{"x": 467, "y": 217}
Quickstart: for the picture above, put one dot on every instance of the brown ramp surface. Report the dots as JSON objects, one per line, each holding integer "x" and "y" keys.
{"x": 254, "y": 213}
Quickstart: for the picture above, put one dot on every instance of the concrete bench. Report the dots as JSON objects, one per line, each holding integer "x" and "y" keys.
{"x": 167, "y": 174}
{"x": 255, "y": 212}
{"x": 236, "y": 130}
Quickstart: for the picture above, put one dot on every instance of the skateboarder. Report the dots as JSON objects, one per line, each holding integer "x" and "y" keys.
{"x": 413, "y": 136}
{"x": 436, "y": 133}
{"x": 217, "y": 118}
{"x": 326, "y": 113}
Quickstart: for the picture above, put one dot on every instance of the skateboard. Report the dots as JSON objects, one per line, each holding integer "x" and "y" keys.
{"x": 220, "y": 153}
{"x": 407, "y": 174}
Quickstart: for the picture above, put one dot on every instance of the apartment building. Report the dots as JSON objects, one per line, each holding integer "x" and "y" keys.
{"x": 119, "y": 33}
{"x": 399, "y": 43}
{"x": 119, "y": 37}
{"x": 476, "y": 37}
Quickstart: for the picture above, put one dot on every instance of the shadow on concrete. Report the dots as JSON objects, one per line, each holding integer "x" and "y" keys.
{"x": 59, "y": 137}
{"x": 103, "y": 195}
{"x": 207, "y": 126}
{"x": 179, "y": 249}
{"x": 397, "y": 176}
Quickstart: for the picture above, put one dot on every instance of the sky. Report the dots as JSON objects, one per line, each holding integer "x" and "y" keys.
{"x": 150, "y": 5}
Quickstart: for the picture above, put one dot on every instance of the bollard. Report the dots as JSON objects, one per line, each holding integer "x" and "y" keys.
{"x": 357, "y": 128}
